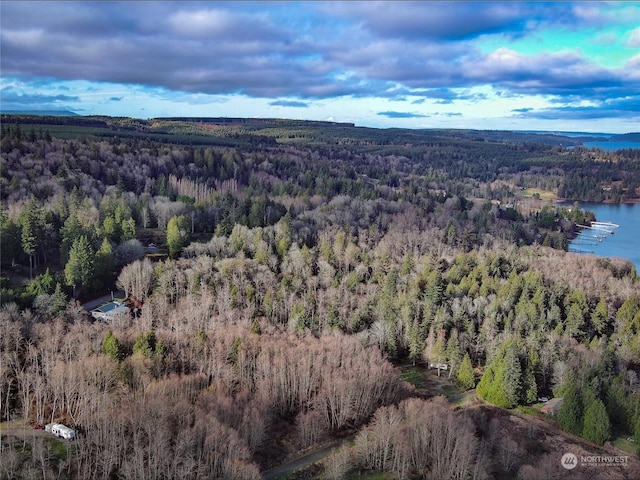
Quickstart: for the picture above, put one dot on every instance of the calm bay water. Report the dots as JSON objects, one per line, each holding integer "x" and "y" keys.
{"x": 612, "y": 146}
{"x": 624, "y": 243}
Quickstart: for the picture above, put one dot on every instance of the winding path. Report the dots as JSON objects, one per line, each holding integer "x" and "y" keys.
{"x": 305, "y": 459}
{"x": 316, "y": 455}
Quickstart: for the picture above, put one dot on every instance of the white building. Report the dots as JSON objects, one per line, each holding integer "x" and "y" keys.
{"x": 109, "y": 311}
{"x": 61, "y": 431}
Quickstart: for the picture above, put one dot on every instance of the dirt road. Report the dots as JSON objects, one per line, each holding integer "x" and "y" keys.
{"x": 303, "y": 460}
{"x": 17, "y": 428}
{"x": 430, "y": 386}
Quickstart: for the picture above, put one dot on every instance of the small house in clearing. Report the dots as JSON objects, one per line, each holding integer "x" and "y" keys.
{"x": 552, "y": 407}
{"x": 109, "y": 311}
{"x": 440, "y": 366}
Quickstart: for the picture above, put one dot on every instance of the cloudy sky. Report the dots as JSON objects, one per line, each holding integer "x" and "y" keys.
{"x": 559, "y": 66}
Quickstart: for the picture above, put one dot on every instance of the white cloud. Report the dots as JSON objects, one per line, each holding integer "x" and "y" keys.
{"x": 33, "y": 37}
{"x": 201, "y": 22}
{"x": 506, "y": 59}
{"x": 185, "y": 58}
{"x": 633, "y": 39}
{"x": 605, "y": 39}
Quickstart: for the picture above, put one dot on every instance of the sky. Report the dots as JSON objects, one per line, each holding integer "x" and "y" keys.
{"x": 555, "y": 66}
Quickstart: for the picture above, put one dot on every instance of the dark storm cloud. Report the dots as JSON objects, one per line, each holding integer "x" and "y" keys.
{"x": 305, "y": 51}
{"x": 628, "y": 108}
{"x": 202, "y": 47}
{"x": 459, "y": 20}
{"x": 564, "y": 73}
{"x": 9, "y": 98}
{"x": 433, "y": 70}
{"x": 435, "y": 20}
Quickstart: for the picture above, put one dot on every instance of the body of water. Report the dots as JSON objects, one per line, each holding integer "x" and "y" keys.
{"x": 612, "y": 146}
{"x": 624, "y": 242}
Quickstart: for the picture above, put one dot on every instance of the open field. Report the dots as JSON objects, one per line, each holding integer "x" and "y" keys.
{"x": 539, "y": 194}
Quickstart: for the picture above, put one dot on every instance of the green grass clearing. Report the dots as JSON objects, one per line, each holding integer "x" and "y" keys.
{"x": 58, "y": 448}
{"x": 450, "y": 390}
{"x": 532, "y": 410}
{"x": 413, "y": 375}
{"x": 543, "y": 194}
{"x": 622, "y": 443}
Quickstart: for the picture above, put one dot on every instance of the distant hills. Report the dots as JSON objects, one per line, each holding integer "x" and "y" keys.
{"x": 308, "y": 128}
{"x": 626, "y": 137}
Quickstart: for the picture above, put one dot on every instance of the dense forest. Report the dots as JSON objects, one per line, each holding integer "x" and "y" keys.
{"x": 297, "y": 281}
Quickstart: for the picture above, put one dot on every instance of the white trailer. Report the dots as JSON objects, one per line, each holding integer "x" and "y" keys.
{"x": 62, "y": 431}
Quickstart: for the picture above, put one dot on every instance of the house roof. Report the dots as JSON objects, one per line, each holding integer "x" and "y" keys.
{"x": 109, "y": 310}
{"x": 552, "y": 406}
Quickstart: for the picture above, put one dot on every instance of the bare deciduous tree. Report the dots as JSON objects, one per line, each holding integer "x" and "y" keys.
{"x": 420, "y": 438}
{"x": 337, "y": 465}
{"x": 310, "y": 428}
{"x": 136, "y": 279}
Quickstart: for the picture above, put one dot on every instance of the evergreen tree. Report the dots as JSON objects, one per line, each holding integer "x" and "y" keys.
{"x": 489, "y": 389}
{"x": 255, "y": 327}
{"x": 162, "y": 186}
{"x": 44, "y": 283}
{"x": 438, "y": 352}
{"x": 128, "y": 229}
{"x": 70, "y": 232}
{"x": 283, "y": 235}
{"x": 575, "y": 322}
{"x": 454, "y": 356}
{"x": 58, "y": 300}
{"x": 501, "y": 383}
{"x": 111, "y": 228}
{"x": 10, "y": 236}
{"x": 511, "y": 375}
{"x": 628, "y": 316}
{"x": 111, "y": 346}
{"x": 597, "y": 427}
{"x": 600, "y": 316}
{"x": 30, "y": 231}
{"x": 570, "y": 415}
{"x": 577, "y": 308}
{"x": 416, "y": 339}
{"x": 104, "y": 263}
{"x": 80, "y": 267}
{"x": 617, "y": 404}
{"x": 146, "y": 344}
{"x": 407, "y": 264}
{"x": 177, "y": 234}
{"x": 529, "y": 385}
{"x": 466, "y": 377}
{"x": 434, "y": 289}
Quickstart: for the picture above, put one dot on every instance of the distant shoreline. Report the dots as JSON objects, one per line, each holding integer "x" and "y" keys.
{"x": 631, "y": 201}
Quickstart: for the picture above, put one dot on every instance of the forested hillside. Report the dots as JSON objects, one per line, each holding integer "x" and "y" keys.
{"x": 290, "y": 273}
